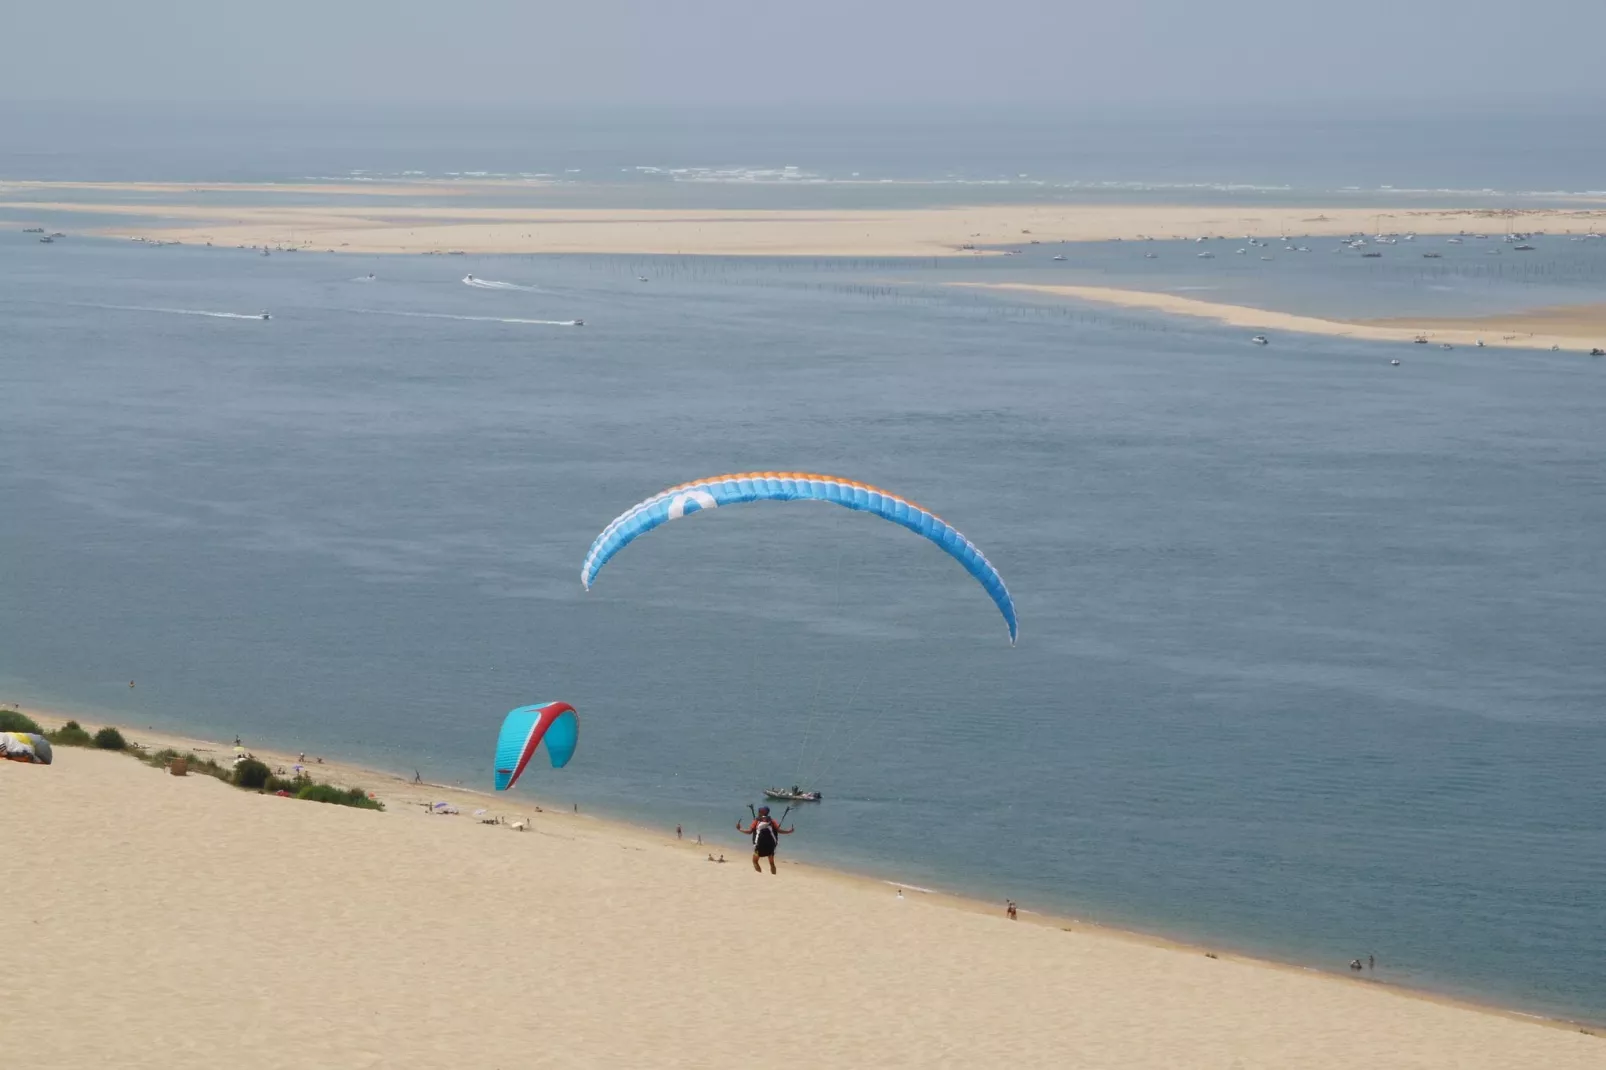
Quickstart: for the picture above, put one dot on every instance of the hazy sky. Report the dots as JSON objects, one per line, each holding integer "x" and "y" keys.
{"x": 1065, "y": 54}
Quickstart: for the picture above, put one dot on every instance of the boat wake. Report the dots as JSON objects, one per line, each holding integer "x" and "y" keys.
{"x": 184, "y": 312}
{"x": 467, "y": 319}
{"x": 492, "y": 284}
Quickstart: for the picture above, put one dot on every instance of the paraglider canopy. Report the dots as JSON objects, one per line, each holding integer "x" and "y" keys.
{"x": 524, "y": 729}
{"x": 25, "y": 747}
{"x": 714, "y": 492}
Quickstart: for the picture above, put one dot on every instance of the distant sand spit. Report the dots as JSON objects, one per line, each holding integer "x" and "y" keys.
{"x": 166, "y": 922}
{"x": 1571, "y": 327}
{"x": 951, "y": 231}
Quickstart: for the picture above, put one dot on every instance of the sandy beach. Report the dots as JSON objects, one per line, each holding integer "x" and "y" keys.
{"x": 1571, "y": 327}
{"x": 537, "y": 227}
{"x": 173, "y": 922}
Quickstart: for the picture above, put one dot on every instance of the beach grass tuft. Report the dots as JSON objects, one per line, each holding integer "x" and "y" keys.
{"x": 13, "y": 721}
{"x": 164, "y": 757}
{"x": 328, "y": 793}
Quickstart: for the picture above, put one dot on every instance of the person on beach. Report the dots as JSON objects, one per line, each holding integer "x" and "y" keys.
{"x": 766, "y": 833}
{"x": 1010, "y": 909}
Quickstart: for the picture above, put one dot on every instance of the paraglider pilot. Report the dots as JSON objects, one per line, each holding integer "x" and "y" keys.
{"x": 766, "y": 833}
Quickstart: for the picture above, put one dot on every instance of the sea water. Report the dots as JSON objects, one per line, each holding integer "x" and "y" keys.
{"x": 1311, "y": 652}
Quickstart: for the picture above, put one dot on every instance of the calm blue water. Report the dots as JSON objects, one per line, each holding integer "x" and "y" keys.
{"x": 1311, "y": 658}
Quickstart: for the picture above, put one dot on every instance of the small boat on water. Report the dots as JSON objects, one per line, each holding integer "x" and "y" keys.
{"x": 1057, "y": 258}
{"x": 1523, "y": 248}
{"x": 266, "y": 316}
{"x": 1207, "y": 256}
{"x": 48, "y": 240}
{"x": 793, "y": 794}
{"x": 33, "y": 230}
{"x": 1370, "y": 256}
{"x": 1597, "y": 352}
{"x": 1395, "y": 363}
{"x": 1259, "y": 340}
{"x": 1434, "y": 256}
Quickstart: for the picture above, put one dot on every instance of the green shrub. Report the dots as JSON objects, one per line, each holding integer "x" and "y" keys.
{"x": 293, "y": 785}
{"x": 328, "y": 793}
{"x": 251, "y": 774}
{"x": 13, "y": 721}
{"x": 110, "y": 739}
{"x": 71, "y": 734}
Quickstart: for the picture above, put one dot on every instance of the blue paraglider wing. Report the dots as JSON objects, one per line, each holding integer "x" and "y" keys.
{"x": 711, "y": 493}
{"x": 524, "y": 730}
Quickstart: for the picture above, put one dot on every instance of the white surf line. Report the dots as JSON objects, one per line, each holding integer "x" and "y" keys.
{"x": 468, "y": 319}
{"x": 911, "y": 887}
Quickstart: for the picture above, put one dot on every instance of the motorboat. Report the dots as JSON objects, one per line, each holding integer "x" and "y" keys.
{"x": 1151, "y": 256}
{"x": 1433, "y": 256}
{"x": 1056, "y": 258}
{"x": 1207, "y": 256}
{"x": 1259, "y": 340}
{"x": 792, "y": 794}
{"x": 33, "y": 230}
{"x": 1523, "y": 248}
{"x": 266, "y": 316}
{"x": 1396, "y": 363}
{"x": 47, "y": 239}
{"x": 1370, "y": 256}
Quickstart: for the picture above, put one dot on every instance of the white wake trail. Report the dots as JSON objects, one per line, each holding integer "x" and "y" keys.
{"x": 183, "y": 312}
{"x": 492, "y": 284}
{"x": 466, "y": 319}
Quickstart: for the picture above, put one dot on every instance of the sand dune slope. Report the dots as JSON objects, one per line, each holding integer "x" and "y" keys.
{"x": 157, "y": 921}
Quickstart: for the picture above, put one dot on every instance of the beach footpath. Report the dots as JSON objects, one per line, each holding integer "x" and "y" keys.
{"x": 178, "y": 921}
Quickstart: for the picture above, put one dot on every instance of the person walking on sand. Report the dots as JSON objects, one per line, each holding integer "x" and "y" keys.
{"x": 766, "y": 833}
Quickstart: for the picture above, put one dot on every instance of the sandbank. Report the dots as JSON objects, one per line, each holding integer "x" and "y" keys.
{"x": 1571, "y": 327}
{"x": 174, "y": 922}
{"x": 397, "y": 227}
